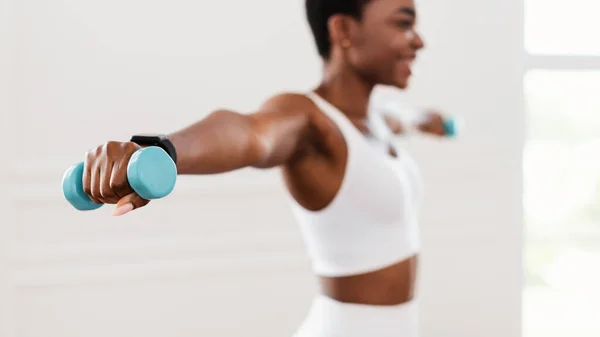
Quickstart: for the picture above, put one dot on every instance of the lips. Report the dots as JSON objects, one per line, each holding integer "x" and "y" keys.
{"x": 407, "y": 57}
{"x": 408, "y": 61}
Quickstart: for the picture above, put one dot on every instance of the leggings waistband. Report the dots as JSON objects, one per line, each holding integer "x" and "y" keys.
{"x": 331, "y": 318}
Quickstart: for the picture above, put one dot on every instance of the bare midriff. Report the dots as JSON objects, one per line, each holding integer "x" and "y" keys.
{"x": 389, "y": 286}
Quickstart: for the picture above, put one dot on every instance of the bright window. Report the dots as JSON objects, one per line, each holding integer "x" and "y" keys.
{"x": 562, "y": 169}
{"x": 562, "y": 27}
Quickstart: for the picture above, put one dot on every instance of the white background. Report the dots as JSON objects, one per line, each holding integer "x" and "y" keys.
{"x": 222, "y": 256}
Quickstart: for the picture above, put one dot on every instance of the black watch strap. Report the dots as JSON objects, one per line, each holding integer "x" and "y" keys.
{"x": 161, "y": 141}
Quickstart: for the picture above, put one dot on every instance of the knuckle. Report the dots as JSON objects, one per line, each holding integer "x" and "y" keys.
{"x": 113, "y": 185}
{"x": 113, "y": 144}
{"x": 90, "y": 157}
{"x": 111, "y": 147}
{"x": 106, "y": 192}
{"x": 95, "y": 195}
{"x": 95, "y": 192}
{"x": 119, "y": 185}
{"x": 130, "y": 147}
{"x": 98, "y": 150}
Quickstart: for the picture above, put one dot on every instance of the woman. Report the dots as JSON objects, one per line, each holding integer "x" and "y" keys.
{"x": 352, "y": 192}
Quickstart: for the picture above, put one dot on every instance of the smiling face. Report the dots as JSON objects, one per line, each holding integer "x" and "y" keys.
{"x": 380, "y": 45}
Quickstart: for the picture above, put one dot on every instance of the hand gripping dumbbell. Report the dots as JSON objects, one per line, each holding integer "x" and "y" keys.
{"x": 412, "y": 117}
{"x": 450, "y": 124}
{"x": 151, "y": 173}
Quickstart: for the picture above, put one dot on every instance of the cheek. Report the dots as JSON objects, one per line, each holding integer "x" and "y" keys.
{"x": 400, "y": 43}
{"x": 378, "y": 50}
{"x": 389, "y": 43}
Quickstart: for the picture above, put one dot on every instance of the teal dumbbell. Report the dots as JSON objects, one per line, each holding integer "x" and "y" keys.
{"x": 450, "y": 127}
{"x": 151, "y": 173}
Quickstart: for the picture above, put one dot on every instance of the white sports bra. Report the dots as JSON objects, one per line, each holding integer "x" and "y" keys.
{"x": 371, "y": 223}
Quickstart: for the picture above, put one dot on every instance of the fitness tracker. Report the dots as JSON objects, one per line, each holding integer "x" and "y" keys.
{"x": 161, "y": 141}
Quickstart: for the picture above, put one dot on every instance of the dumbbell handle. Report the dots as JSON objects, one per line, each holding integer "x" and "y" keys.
{"x": 151, "y": 173}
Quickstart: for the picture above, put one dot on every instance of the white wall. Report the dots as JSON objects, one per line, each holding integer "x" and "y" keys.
{"x": 222, "y": 255}
{"x": 6, "y": 113}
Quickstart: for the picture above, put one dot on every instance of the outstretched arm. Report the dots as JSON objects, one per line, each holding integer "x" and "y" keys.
{"x": 221, "y": 142}
{"x": 431, "y": 122}
{"x": 227, "y": 140}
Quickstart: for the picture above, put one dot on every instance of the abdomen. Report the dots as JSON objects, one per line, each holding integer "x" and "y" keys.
{"x": 388, "y": 286}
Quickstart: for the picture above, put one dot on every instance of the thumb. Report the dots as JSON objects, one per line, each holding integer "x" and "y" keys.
{"x": 128, "y": 203}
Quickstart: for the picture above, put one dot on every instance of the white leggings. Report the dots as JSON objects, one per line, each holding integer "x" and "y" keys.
{"x": 331, "y": 318}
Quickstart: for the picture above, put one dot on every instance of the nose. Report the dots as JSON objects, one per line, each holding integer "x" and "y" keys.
{"x": 417, "y": 41}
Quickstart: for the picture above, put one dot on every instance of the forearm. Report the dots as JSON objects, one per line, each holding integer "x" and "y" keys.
{"x": 221, "y": 142}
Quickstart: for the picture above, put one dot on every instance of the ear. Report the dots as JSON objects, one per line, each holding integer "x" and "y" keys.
{"x": 340, "y": 30}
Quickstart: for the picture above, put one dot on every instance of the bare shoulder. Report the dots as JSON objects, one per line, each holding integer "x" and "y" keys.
{"x": 293, "y": 117}
{"x": 290, "y": 103}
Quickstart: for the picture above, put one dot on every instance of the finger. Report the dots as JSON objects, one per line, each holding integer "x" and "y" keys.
{"x": 437, "y": 122}
{"x": 86, "y": 180}
{"x": 118, "y": 180}
{"x": 88, "y": 170}
{"x": 96, "y": 184}
{"x": 129, "y": 203}
{"x": 107, "y": 193}
{"x": 94, "y": 190}
{"x": 123, "y": 209}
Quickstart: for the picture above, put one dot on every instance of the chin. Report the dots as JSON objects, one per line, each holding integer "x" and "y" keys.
{"x": 401, "y": 83}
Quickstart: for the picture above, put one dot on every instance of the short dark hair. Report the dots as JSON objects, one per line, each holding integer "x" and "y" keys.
{"x": 318, "y": 13}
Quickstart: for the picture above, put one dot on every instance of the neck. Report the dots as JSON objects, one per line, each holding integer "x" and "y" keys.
{"x": 346, "y": 90}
